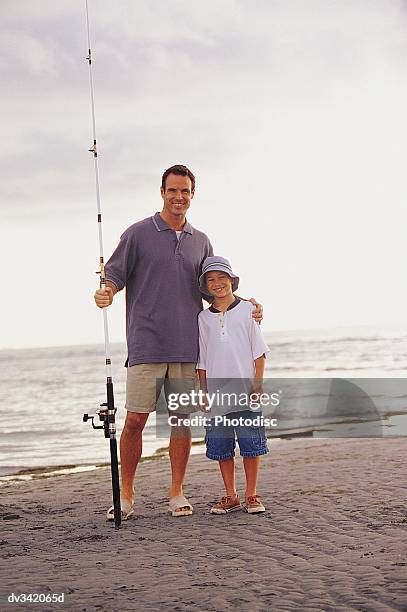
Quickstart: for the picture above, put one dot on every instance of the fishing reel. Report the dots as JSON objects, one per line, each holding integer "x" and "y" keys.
{"x": 103, "y": 415}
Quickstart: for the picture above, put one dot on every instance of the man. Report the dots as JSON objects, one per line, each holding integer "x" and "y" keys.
{"x": 159, "y": 261}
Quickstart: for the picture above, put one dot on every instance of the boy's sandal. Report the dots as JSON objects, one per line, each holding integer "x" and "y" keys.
{"x": 126, "y": 508}
{"x": 253, "y": 505}
{"x": 229, "y": 503}
{"x": 179, "y": 506}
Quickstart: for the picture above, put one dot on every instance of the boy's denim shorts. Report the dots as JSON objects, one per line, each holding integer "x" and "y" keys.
{"x": 220, "y": 439}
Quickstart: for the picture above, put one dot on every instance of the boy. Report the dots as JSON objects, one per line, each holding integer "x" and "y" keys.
{"x": 231, "y": 347}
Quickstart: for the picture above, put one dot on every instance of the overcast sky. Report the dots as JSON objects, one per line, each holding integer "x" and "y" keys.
{"x": 292, "y": 115}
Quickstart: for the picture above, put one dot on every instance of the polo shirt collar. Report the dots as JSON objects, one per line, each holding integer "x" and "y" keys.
{"x": 232, "y": 305}
{"x": 161, "y": 225}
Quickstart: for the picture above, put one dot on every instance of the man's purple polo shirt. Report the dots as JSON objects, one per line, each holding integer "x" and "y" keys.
{"x": 163, "y": 300}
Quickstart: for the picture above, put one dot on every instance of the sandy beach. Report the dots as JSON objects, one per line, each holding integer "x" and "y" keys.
{"x": 334, "y": 536}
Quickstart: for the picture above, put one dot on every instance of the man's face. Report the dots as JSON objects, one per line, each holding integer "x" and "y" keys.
{"x": 177, "y": 195}
{"x": 218, "y": 284}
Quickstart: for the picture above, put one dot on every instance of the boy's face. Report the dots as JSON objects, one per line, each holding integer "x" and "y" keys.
{"x": 219, "y": 284}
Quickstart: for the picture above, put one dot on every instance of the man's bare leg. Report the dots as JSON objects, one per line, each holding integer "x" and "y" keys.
{"x": 131, "y": 444}
{"x": 180, "y": 448}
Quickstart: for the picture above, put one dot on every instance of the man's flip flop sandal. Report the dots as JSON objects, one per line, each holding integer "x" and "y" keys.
{"x": 177, "y": 502}
{"x": 127, "y": 512}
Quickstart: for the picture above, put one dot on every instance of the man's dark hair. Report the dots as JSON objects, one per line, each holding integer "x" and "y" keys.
{"x": 181, "y": 171}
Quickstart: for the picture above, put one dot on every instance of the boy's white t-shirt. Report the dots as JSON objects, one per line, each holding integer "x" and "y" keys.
{"x": 229, "y": 342}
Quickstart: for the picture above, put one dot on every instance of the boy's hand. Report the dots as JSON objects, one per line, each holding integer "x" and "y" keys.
{"x": 255, "y": 394}
{"x": 257, "y": 387}
{"x": 204, "y": 404}
{"x": 257, "y": 313}
{"x": 103, "y": 297}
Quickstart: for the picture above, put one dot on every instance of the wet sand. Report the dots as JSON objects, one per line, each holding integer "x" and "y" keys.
{"x": 334, "y": 536}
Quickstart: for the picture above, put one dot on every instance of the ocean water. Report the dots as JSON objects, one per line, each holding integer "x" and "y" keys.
{"x": 45, "y": 391}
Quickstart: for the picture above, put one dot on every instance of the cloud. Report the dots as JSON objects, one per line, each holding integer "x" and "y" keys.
{"x": 309, "y": 96}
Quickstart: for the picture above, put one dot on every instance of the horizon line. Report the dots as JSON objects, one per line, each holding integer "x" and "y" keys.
{"x": 299, "y": 331}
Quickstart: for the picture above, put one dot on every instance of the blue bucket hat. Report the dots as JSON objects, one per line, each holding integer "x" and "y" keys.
{"x": 220, "y": 264}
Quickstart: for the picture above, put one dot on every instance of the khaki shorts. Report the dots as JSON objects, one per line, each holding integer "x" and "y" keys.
{"x": 145, "y": 381}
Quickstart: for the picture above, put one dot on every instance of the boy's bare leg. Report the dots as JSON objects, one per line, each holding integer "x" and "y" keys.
{"x": 251, "y": 468}
{"x": 131, "y": 444}
{"x": 180, "y": 448}
{"x": 227, "y": 468}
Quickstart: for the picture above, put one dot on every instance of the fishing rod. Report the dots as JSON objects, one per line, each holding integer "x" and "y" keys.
{"x": 107, "y": 410}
